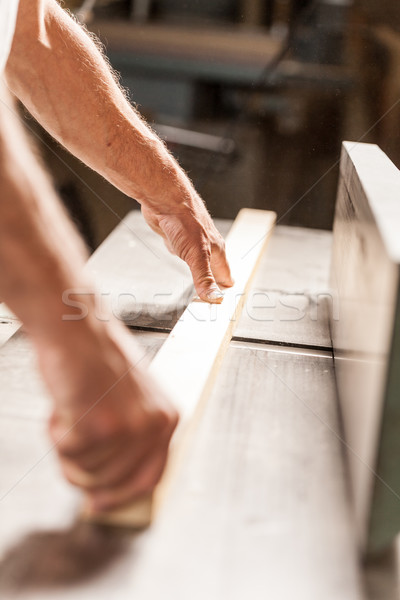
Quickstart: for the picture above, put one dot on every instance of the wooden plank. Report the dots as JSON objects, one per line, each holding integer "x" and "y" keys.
{"x": 262, "y": 494}
{"x": 365, "y": 333}
{"x": 196, "y": 345}
{"x": 188, "y": 362}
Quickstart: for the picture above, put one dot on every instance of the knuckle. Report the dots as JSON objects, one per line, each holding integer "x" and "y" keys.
{"x": 205, "y": 280}
{"x": 160, "y": 421}
{"x": 78, "y": 476}
{"x": 68, "y": 449}
{"x": 201, "y": 266}
{"x": 219, "y": 244}
{"x": 165, "y": 421}
{"x": 198, "y": 254}
{"x": 149, "y": 480}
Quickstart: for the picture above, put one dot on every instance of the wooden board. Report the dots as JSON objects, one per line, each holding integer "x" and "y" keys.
{"x": 288, "y": 301}
{"x": 259, "y": 508}
{"x": 365, "y": 333}
{"x": 188, "y": 362}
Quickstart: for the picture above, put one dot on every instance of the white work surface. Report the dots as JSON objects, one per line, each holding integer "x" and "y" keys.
{"x": 260, "y": 508}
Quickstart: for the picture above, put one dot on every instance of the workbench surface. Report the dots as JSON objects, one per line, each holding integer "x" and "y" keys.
{"x": 287, "y": 303}
{"x": 260, "y": 508}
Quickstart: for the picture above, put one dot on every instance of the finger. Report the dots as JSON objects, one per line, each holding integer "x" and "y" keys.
{"x": 86, "y": 471}
{"x": 111, "y": 472}
{"x": 77, "y": 476}
{"x": 203, "y": 279}
{"x": 115, "y": 469}
{"x": 140, "y": 482}
{"x": 69, "y": 441}
{"x": 220, "y": 266}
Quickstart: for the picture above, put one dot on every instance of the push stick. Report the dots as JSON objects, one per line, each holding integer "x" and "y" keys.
{"x": 188, "y": 362}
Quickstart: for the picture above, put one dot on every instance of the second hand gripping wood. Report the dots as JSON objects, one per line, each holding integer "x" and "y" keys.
{"x": 188, "y": 362}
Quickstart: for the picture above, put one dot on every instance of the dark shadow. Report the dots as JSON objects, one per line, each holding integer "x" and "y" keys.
{"x": 381, "y": 575}
{"x": 48, "y": 559}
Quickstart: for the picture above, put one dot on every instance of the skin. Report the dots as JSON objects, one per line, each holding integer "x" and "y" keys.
{"x": 111, "y": 423}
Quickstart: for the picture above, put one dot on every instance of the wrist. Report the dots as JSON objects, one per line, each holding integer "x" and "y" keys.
{"x": 148, "y": 172}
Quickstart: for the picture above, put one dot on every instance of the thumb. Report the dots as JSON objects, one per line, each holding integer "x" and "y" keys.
{"x": 203, "y": 279}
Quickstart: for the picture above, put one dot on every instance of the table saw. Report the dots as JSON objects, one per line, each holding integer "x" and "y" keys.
{"x": 262, "y": 505}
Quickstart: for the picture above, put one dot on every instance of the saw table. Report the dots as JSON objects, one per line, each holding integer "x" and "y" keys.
{"x": 261, "y": 506}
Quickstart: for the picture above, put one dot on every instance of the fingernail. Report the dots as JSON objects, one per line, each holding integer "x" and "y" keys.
{"x": 215, "y": 296}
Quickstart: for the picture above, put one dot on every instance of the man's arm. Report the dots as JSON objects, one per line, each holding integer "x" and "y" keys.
{"x": 59, "y": 74}
{"x": 110, "y": 423}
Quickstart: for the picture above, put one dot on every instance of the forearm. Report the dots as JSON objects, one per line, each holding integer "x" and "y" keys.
{"x": 110, "y": 424}
{"x": 59, "y": 74}
{"x": 41, "y": 256}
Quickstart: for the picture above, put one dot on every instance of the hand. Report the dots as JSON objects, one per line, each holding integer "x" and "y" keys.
{"x": 111, "y": 424}
{"x": 190, "y": 233}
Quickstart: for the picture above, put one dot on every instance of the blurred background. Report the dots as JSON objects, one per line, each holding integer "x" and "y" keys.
{"x": 252, "y": 96}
